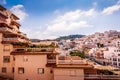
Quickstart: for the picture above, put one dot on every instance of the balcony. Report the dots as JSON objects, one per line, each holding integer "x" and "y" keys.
{"x": 51, "y": 63}
{"x": 22, "y": 34}
{"x": 7, "y": 30}
{"x": 3, "y": 13}
{"x": 2, "y": 20}
{"x": 22, "y": 40}
{"x": 72, "y": 62}
{"x": 14, "y": 22}
{"x": 13, "y": 40}
{"x": 102, "y": 77}
{"x": 33, "y": 50}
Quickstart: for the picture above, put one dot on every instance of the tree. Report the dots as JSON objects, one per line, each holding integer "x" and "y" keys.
{"x": 99, "y": 45}
{"x": 106, "y": 72}
{"x": 77, "y": 53}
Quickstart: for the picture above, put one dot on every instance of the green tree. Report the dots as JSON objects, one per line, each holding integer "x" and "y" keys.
{"x": 99, "y": 45}
{"x": 106, "y": 72}
{"x": 77, "y": 53}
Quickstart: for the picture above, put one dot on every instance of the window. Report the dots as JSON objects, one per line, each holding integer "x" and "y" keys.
{"x": 119, "y": 59}
{"x": 20, "y": 70}
{"x": 4, "y": 70}
{"x": 118, "y": 50}
{"x": 110, "y": 63}
{"x": 13, "y": 70}
{"x": 13, "y": 58}
{"x": 114, "y": 63}
{"x": 114, "y": 59}
{"x": 6, "y": 59}
{"x": 118, "y": 54}
{"x": 6, "y": 48}
{"x": 40, "y": 70}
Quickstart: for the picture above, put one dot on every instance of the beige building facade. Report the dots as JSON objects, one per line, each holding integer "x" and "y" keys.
{"x": 68, "y": 73}
{"x": 32, "y": 67}
{"x": 9, "y": 34}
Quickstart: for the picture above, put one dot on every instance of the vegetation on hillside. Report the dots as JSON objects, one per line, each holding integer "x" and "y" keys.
{"x": 70, "y": 37}
{"x": 52, "y": 45}
{"x": 107, "y": 72}
{"x": 77, "y": 53}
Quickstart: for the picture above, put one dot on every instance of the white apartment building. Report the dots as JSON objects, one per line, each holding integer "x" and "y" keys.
{"x": 115, "y": 58}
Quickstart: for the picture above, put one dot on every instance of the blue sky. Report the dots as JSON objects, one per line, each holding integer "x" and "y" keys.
{"x": 48, "y": 19}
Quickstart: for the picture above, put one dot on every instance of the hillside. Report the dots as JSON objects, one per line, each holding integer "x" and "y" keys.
{"x": 70, "y": 37}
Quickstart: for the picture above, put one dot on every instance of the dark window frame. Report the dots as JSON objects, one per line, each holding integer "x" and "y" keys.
{"x": 4, "y": 70}
{"x": 21, "y": 70}
{"x": 6, "y": 59}
{"x": 40, "y": 70}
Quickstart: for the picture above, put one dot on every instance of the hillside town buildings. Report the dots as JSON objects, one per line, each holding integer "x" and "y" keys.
{"x": 91, "y": 46}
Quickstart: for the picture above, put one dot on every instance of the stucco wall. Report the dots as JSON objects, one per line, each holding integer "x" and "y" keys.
{"x": 8, "y": 65}
{"x": 31, "y": 67}
{"x": 68, "y": 74}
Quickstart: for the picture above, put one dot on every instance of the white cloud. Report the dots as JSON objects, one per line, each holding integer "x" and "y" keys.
{"x": 112, "y": 9}
{"x": 75, "y": 15}
{"x": 67, "y": 22}
{"x": 3, "y": 2}
{"x": 67, "y": 26}
{"x": 19, "y": 11}
{"x": 71, "y": 21}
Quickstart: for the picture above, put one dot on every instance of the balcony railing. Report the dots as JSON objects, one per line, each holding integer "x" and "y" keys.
{"x": 22, "y": 34}
{"x": 14, "y": 40}
{"x": 21, "y": 40}
{"x": 72, "y": 62}
{"x": 2, "y": 20}
{"x": 10, "y": 39}
{"x": 100, "y": 77}
{"x": 15, "y": 22}
{"x": 51, "y": 61}
{"x": 5, "y": 29}
{"x": 33, "y": 50}
{"x": 3, "y": 13}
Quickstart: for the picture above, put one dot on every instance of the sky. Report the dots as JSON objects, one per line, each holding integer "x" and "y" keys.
{"x": 49, "y": 19}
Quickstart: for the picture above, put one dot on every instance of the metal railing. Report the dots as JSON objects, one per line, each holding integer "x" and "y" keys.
{"x": 21, "y": 40}
{"x": 72, "y": 62}
{"x": 10, "y": 39}
{"x": 51, "y": 61}
{"x": 14, "y": 39}
{"x": 7, "y": 29}
{"x": 101, "y": 76}
{"x": 3, "y": 13}
{"x": 33, "y": 50}
{"x": 22, "y": 34}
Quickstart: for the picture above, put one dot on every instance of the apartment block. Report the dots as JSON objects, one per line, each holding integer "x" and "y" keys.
{"x": 9, "y": 35}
